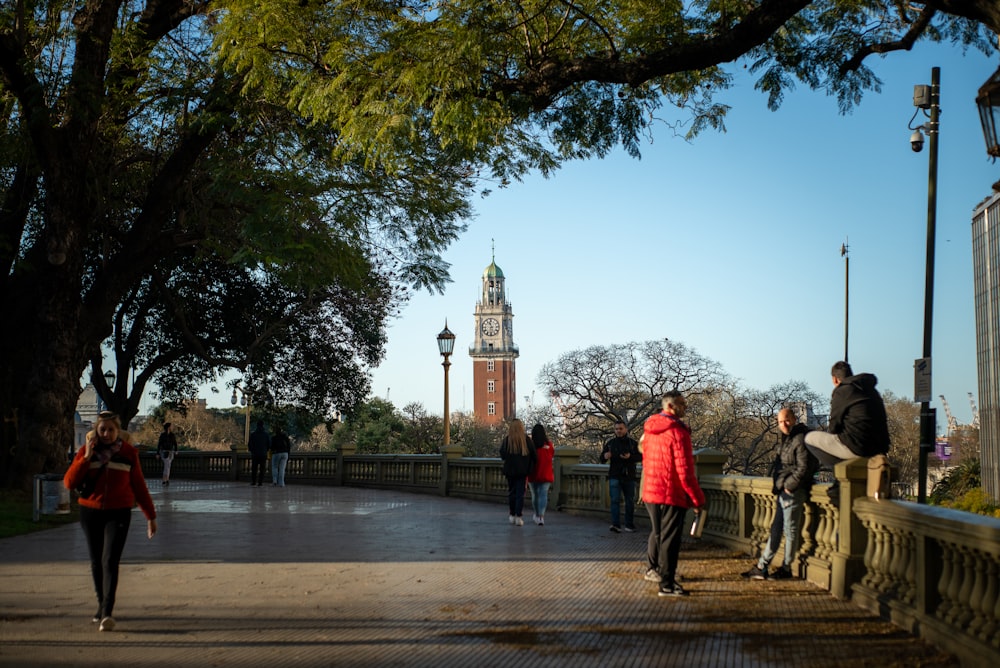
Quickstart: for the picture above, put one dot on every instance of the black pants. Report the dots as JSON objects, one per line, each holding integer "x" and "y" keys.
{"x": 665, "y": 539}
{"x": 106, "y": 531}
{"x": 257, "y": 467}
{"x": 515, "y": 494}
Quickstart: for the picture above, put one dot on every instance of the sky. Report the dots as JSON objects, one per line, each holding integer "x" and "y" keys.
{"x": 730, "y": 244}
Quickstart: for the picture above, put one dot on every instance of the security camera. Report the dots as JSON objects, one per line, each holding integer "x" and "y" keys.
{"x": 917, "y": 141}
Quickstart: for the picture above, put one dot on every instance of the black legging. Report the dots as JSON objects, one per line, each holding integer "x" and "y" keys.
{"x": 106, "y": 531}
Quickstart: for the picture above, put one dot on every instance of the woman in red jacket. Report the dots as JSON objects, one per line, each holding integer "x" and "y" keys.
{"x": 109, "y": 480}
{"x": 541, "y": 475}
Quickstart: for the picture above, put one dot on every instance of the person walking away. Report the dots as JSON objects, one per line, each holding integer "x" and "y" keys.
{"x": 622, "y": 455}
{"x": 793, "y": 470}
{"x": 669, "y": 488}
{"x": 280, "y": 447}
{"x": 260, "y": 443}
{"x": 541, "y": 477}
{"x": 166, "y": 448}
{"x": 858, "y": 425}
{"x": 108, "y": 478}
{"x": 518, "y": 460}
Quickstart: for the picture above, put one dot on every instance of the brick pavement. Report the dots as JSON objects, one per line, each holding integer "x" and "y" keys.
{"x": 329, "y": 576}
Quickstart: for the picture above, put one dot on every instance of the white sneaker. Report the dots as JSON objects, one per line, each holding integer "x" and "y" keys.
{"x": 541, "y": 521}
{"x": 518, "y": 521}
{"x": 651, "y": 575}
{"x": 107, "y": 624}
{"x": 510, "y": 519}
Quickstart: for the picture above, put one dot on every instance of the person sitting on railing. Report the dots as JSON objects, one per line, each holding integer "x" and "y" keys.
{"x": 858, "y": 425}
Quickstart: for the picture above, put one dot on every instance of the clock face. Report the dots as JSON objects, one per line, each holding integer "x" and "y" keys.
{"x": 491, "y": 327}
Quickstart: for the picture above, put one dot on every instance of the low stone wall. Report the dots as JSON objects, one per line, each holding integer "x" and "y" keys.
{"x": 934, "y": 572}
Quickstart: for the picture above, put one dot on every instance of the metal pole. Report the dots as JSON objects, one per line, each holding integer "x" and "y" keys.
{"x": 447, "y": 417}
{"x": 847, "y": 294}
{"x": 927, "y": 426}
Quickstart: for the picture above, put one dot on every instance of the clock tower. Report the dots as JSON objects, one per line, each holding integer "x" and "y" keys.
{"x": 493, "y": 352}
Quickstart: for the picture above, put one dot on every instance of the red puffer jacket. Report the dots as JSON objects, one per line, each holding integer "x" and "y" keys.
{"x": 668, "y": 473}
{"x": 117, "y": 484}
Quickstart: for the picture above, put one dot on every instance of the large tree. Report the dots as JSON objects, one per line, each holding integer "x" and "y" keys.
{"x": 130, "y": 162}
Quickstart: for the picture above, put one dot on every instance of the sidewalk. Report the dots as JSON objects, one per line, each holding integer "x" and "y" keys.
{"x": 333, "y": 576}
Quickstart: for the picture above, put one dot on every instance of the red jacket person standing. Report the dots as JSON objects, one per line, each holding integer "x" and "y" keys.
{"x": 669, "y": 488}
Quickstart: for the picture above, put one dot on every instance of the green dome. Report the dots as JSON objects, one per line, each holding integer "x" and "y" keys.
{"x": 493, "y": 271}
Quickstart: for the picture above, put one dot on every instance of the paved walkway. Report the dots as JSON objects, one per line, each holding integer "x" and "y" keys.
{"x": 330, "y": 576}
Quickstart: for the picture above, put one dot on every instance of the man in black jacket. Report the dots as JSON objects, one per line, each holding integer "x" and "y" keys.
{"x": 622, "y": 454}
{"x": 792, "y": 472}
{"x": 858, "y": 426}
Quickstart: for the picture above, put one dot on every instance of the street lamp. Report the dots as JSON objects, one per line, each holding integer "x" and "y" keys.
{"x": 988, "y": 101}
{"x": 446, "y": 344}
{"x": 245, "y": 400}
{"x": 927, "y": 98}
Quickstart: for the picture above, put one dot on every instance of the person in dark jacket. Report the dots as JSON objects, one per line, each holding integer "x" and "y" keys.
{"x": 108, "y": 477}
{"x": 792, "y": 472}
{"x": 518, "y": 457}
{"x": 166, "y": 448}
{"x": 260, "y": 443}
{"x": 858, "y": 425}
{"x": 622, "y": 454}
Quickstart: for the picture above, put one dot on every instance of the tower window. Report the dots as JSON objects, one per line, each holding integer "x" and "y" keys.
{"x": 491, "y": 365}
{"x": 491, "y": 386}
{"x": 491, "y": 408}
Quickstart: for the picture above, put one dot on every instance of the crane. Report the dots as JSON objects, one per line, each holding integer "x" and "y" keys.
{"x": 952, "y": 423}
{"x": 975, "y": 411}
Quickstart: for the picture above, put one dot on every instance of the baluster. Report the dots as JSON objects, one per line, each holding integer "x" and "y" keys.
{"x": 976, "y": 595}
{"x": 947, "y": 587}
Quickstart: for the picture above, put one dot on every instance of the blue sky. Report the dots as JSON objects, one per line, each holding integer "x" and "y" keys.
{"x": 731, "y": 245}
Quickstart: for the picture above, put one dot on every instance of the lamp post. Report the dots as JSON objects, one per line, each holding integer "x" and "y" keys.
{"x": 928, "y": 98}
{"x": 245, "y": 400}
{"x": 446, "y": 344}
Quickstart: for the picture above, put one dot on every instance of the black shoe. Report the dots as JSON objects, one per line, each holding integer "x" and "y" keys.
{"x": 671, "y": 590}
{"x": 615, "y": 528}
{"x": 756, "y": 573}
{"x": 629, "y": 528}
{"x": 97, "y": 615}
{"x": 783, "y": 573}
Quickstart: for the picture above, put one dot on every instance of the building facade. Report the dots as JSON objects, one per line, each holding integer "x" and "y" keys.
{"x": 986, "y": 281}
{"x": 493, "y": 352}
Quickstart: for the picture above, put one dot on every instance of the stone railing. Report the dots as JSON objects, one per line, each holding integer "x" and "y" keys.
{"x": 932, "y": 571}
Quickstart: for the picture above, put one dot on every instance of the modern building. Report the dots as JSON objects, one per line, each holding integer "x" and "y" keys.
{"x": 986, "y": 281}
{"x": 493, "y": 352}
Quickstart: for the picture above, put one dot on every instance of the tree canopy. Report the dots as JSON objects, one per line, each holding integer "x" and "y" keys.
{"x": 322, "y": 148}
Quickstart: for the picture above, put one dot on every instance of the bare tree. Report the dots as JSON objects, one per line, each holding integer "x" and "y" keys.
{"x": 595, "y": 387}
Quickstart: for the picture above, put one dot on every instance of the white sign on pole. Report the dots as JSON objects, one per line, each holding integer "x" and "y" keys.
{"x": 922, "y": 379}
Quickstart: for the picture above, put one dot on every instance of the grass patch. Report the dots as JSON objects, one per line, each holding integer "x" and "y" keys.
{"x": 16, "y": 513}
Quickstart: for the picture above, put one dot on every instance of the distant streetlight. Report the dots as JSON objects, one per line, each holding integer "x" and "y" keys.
{"x": 245, "y": 400}
{"x": 109, "y": 378}
{"x": 446, "y": 345}
{"x": 928, "y": 98}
